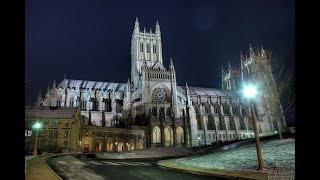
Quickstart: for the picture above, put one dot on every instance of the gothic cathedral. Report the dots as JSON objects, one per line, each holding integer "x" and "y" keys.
{"x": 170, "y": 114}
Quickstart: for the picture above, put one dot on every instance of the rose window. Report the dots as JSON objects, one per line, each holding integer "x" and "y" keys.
{"x": 159, "y": 95}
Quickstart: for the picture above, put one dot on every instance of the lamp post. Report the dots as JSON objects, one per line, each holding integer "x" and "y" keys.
{"x": 199, "y": 140}
{"x": 250, "y": 92}
{"x": 36, "y": 126}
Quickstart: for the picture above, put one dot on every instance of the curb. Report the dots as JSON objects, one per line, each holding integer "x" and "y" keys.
{"x": 56, "y": 155}
{"x": 229, "y": 174}
{"x": 45, "y": 162}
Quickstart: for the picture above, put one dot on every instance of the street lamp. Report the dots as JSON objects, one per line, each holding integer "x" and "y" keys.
{"x": 250, "y": 92}
{"x": 36, "y": 126}
{"x": 199, "y": 140}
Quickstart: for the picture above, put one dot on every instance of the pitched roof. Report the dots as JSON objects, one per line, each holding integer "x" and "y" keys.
{"x": 93, "y": 84}
{"x": 50, "y": 112}
{"x": 208, "y": 91}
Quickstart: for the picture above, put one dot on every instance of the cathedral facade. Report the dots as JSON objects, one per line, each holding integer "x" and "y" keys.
{"x": 170, "y": 114}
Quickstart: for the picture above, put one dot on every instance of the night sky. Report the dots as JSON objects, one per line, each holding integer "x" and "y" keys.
{"x": 90, "y": 39}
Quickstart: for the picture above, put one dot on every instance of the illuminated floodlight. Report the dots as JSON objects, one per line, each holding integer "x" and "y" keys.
{"x": 249, "y": 91}
{"x": 37, "y": 125}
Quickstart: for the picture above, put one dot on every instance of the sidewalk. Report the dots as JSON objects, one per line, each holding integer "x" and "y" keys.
{"x": 37, "y": 168}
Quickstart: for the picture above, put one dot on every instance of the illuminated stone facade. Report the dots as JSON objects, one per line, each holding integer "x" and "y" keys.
{"x": 172, "y": 115}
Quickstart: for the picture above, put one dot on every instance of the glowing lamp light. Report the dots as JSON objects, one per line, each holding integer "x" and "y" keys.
{"x": 37, "y": 125}
{"x": 249, "y": 91}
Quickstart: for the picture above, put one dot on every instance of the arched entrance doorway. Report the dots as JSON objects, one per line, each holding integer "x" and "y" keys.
{"x": 131, "y": 146}
{"x": 86, "y": 146}
{"x": 168, "y": 134}
{"x": 120, "y": 147}
{"x": 98, "y": 145}
{"x": 180, "y": 135}
{"x": 109, "y": 146}
{"x": 156, "y": 135}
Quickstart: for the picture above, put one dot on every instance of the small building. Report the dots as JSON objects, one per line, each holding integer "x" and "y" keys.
{"x": 60, "y": 128}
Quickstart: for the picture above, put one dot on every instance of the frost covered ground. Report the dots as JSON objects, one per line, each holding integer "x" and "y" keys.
{"x": 278, "y": 156}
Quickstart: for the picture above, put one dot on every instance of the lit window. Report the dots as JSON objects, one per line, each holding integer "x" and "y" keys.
{"x": 29, "y": 133}
{"x": 65, "y": 133}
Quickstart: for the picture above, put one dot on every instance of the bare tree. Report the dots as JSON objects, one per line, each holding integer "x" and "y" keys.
{"x": 277, "y": 87}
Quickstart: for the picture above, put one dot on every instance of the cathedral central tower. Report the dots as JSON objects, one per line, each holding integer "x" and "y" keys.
{"x": 145, "y": 46}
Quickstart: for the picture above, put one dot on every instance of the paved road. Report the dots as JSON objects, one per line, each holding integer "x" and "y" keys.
{"x": 89, "y": 167}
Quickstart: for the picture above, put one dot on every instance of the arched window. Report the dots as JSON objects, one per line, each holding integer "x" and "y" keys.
{"x": 243, "y": 111}
{"x": 107, "y": 104}
{"x": 216, "y": 108}
{"x": 168, "y": 111}
{"x": 59, "y": 101}
{"x": 94, "y": 103}
{"x": 154, "y": 49}
{"x": 161, "y": 112}
{"x": 83, "y": 103}
{"x": 71, "y": 102}
{"x": 156, "y": 135}
{"x": 154, "y": 111}
{"x": 206, "y": 109}
{"x": 225, "y": 110}
{"x": 148, "y": 48}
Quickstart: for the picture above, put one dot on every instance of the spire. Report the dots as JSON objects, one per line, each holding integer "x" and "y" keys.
{"x": 113, "y": 91}
{"x": 144, "y": 29}
{"x": 39, "y": 95}
{"x": 263, "y": 52}
{"x": 136, "y": 26}
{"x": 158, "y": 28}
{"x": 48, "y": 90}
{"x": 251, "y": 51}
{"x": 128, "y": 85}
{"x": 150, "y": 31}
{"x": 171, "y": 66}
{"x": 65, "y": 75}
{"x": 222, "y": 70}
{"x": 54, "y": 85}
{"x": 188, "y": 95}
{"x": 241, "y": 56}
{"x": 39, "y": 99}
{"x": 171, "y": 63}
{"x": 229, "y": 65}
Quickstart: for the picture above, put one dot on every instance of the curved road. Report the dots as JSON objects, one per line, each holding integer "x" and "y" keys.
{"x": 87, "y": 166}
